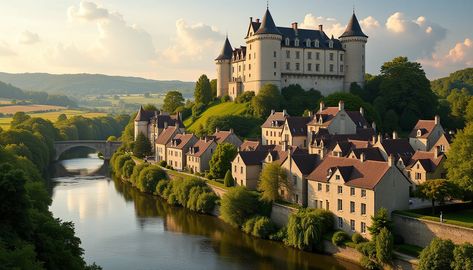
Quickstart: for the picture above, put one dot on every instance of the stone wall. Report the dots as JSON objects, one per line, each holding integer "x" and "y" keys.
{"x": 420, "y": 232}
{"x": 280, "y": 214}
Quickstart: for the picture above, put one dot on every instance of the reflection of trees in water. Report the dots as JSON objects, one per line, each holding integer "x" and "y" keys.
{"x": 228, "y": 242}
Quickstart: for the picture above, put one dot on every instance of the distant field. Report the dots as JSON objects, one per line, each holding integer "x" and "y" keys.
{"x": 220, "y": 109}
{"x": 52, "y": 116}
{"x": 155, "y": 99}
{"x": 11, "y": 109}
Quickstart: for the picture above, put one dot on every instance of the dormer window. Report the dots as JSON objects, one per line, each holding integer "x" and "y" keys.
{"x": 320, "y": 120}
{"x": 317, "y": 43}
{"x": 329, "y": 173}
{"x": 330, "y": 44}
{"x": 307, "y": 43}
{"x": 419, "y": 133}
{"x": 296, "y": 42}
{"x": 287, "y": 41}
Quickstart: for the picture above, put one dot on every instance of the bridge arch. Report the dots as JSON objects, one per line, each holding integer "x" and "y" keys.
{"x": 105, "y": 147}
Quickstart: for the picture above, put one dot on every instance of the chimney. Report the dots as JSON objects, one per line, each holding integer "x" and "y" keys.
{"x": 373, "y": 126}
{"x": 251, "y": 19}
{"x": 391, "y": 160}
{"x": 231, "y": 131}
{"x": 321, "y": 27}
{"x": 284, "y": 112}
{"x": 362, "y": 157}
{"x": 257, "y": 20}
{"x": 284, "y": 146}
{"x": 216, "y": 130}
{"x": 373, "y": 140}
{"x": 165, "y": 125}
{"x": 272, "y": 112}
{"x": 205, "y": 139}
{"x": 322, "y": 106}
{"x": 294, "y": 26}
{"x": 437, "y": 120}
{"x": 395, "y": 135}
{"x": 362, "y": 111}
{"x": 341, "y": 105}
{"x": 380, "y": 138}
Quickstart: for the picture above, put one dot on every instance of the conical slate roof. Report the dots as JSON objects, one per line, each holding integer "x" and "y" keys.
{"x": 226, "y": 52}
{"x": 353, "y": 28}
{"x": 140, "y": 116}
{"x": 268, "y": 26}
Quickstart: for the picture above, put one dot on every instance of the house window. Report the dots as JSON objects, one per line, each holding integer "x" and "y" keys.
{"x": 352, "y": 191}
{"x": 288, "y": 54}
{"x": 235, "y": 169}
{"x": 363, "y": 209}
{"x": 341, "y": 68}
{"x": 327, "y": 188}
{"x": 331, "y": 67}
{"x": 339, "y": 205}
{"x": 317, "y": 43}
{"x": 363, "y": 227}
{"x": 309, "y": 67}
{"x": 296, "y": 43}
{"x": 340, "y": 222}
{"x": 288, "y": 66}
{"x": 352, "y": 207}
{"x": 287, "y": 41}
{"x": 297, "y": 66}
{"x": 331, "y": 56}
{"x": 307, "y": 43}
{"x": 341, "y": 57}
{"x": 330, "y": 44}
{"x": 249, "y": 56}
{"x": 418, "y": 176}
{"x": 363, "y": 193}
{"x": 317, "y": 67}
{"x": 327, "y": 205}
{"x": 298, "y": 55}
{"x": 249, "y": 66}
{"x": 352, "y": 225}
{"x": 309, "y": 55}
{"x": 319, "y": 187}
{"x": 241, "y": 169}
{"x": 339, "y": 189}
{"x": 337, "y": 177}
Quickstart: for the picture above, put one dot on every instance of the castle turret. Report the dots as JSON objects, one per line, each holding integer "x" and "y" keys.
{"x": 223, "y": 62}
{"x": 263, "y": 54}
{"x": 353, "y": 41}
{"x": 141, "y": 123}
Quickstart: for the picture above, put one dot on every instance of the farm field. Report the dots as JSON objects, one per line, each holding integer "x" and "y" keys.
{"x": 11, "y": 109}
{"x": 52, "y": 116}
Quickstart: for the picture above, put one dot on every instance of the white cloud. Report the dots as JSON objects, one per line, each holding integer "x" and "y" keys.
{"x": 6, "y": 50}
{"x": 369, "y": 23}
{"x": 331, "y": 26}
{"x": 87, "y": 11}
{"x": 396, "y": 23}
{"x": 458, "y": 57}
{"x": 28, "y": 38}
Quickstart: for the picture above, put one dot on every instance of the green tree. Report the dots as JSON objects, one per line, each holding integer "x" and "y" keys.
{"x": 127, "y": 168}
{"x": 142, "y": 146}
{"x": 203, "y": 90}
{"x": 237, "y": 205}
{"x": 149, "y": 177}
{"x": 62, "y": 117}
{"x": 384, "y": 246}
{"x": 379, "y": 221}
{"x": 436, "y": 190}
{"x": 172, "y": 101}
{"x": 272, "y": 178}
{"x": 458, "y": 100}
{"x": 463, "y": 257}
{"x": 228, "y": 180}
{"x": 18, "y": 118}
{"x": 305, "y": 229}
{"x": 438, "y": 255}
{"x": 267, "y": 99}
{"x": 221, "y": 160}
{"x": 469, "y": 111}
{"x": 459, "y": 164}
{"x": 213, "y": 87}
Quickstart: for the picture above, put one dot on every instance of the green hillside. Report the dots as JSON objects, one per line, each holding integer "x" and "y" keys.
{"x": 457, "y": 80}
{"x": 227, "y": 108}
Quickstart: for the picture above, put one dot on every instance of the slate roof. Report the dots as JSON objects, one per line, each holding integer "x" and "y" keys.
{"x": 227, "y": 51}
{"x": 267, "y": 25}
{"x": 371, "y": 153}
{"x": 298, "y": 125}
{"x": 253, "y": 157}
{"x": 200, "y": 147}
{"x": 353, "y": 28}
{"x": 144, "y": 115}
{"x": 425, "y": 126}
{"x": 305, "y": 162}
{"x": 397, "y": 147}
{"x": 275, "y": 120}
{"x": 180, "y": 141}
{"x": 330, "y": 112}
{"x": 166, "y": 135}
{"x": 365, "y": 174}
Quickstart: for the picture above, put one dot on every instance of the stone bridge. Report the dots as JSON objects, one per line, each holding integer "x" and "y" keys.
{"x": 104, "y": 147}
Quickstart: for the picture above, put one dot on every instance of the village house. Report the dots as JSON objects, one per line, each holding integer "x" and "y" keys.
{"x": 443, "y": 143}
{"x": 355, "y": 189}
{"x": 271, "y": 130}
{"x": 295, "y": 131}
{"x": 425, "y": 134}
{"x": 199, "y": 155}
{"x": 246, "y": 168}
{"x": 426, "y": 165}
{"x": 163, "y": 139}
{"x": 223, "y": 136}
{"x": 177, "y": 148}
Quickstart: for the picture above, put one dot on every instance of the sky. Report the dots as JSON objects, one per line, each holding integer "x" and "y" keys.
{"x": 167, "y": 40}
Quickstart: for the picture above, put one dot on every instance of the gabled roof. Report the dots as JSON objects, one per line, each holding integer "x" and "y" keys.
{"x": 249, "y": 145}
{"x": 305, "y": 162}
{"x": 365, "y": 174}
{"x": 180, "y": 141}
{"x": 252, "y": 157}
{"x": 267, "y": 26}
{"x": 297, "y": 125}
{"x": 166, "y": 135}
{"x": 428, "y": 160}
{"x": 144, "y": 115}
{"x": 425, "y": 126}
{"x": 371, "y": 153}
{"x": 222, "y": 135}
{"x": 170, "y": 120}
{"x": 397, "y": 147}
{"x": 227, "y": 51}
{"x": 275, "y": 120}
{"x": 353, "y": 28}
{"x": 200, "y": 147}
{"x": 358, "y": 118}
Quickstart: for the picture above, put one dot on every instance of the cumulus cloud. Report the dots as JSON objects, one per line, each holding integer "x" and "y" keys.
{"x": 331, "y": 25}
{"x": 195, "y": 42}
{"x": 369, "y": 23}
{"x": 87, "y": 11}
{"x": 396, "y": 23}
{"x": 28, "y": 38}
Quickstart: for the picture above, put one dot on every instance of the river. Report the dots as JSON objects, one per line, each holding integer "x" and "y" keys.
{"x": 121, "y": 228}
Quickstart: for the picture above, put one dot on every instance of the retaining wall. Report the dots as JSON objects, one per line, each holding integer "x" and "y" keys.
{"x": 280, "y": 214}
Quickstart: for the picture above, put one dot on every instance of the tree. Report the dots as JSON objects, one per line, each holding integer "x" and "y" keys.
{"x": 469, "y": 111}
{"x": 237, "y": 205}
{"x": 18, "y": 118}
{"x": 459, "y": 164}
{"x": 384, "y": 246}
{"x": 305, "y": 229}
{"x": 142, "y": 146}
{"x": 436, "y": 190}
{"x": 172, "y": 101}
{"x": 62, "y": 117}
{"x": 203, "y": 90}
{"x": 213, "y": 87}
{"x": 221, "y": 160}
{"x": 228, "y": 180}
{"x": 267, "y": 99}
{"x": 298, "y": 99}
{"x": 438, "y": 255}
{"x": 379, "y": 221}
{"x": 149, "y": 177}
{"x": 273, "y": 178}
{"x": 150, "y": 107}
{"x": 459, "y": 100}
{"x": 463, "y": 257}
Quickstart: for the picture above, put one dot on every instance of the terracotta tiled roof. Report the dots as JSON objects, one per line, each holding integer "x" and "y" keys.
{"x": 200, "y": 147}
{"x": 329, "y": 113}
{"x": 365, "y": 174}
{"x": 429, "y": 160}
{"x": 275, "y": 120}
{"x": 297, "y": 125}
{"x": 248, "y": 145}
{"x": 425, "y": 126}
{"x": 222, "y": 135}
{"x": 180, "y": 141}
{"x": 166, "y": 135}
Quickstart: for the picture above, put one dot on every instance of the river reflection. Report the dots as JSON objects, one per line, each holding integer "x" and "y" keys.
{"x": 121, "y": 228}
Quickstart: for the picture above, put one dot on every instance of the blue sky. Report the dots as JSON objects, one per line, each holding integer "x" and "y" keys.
{"x": 179, "y": 39}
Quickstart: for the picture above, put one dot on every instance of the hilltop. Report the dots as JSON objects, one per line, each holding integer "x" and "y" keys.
{"x": 92, "y": 84}
{"x": 457, "y": 80}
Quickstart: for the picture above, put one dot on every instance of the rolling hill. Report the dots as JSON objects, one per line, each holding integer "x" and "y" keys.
{"x": 92, "y": 84}
{"x": 227, "y": 108}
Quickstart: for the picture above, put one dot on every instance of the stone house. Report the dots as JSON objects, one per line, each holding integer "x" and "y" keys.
{"x": 271, "y": 130}
{"x": 163, "y": 139}
{"x": 295, "y": 131}
{"x": 443, "y": 143}
{"x": 223, "y": 136}
{"x": 425, "y": 134}
{"x": 426, "y": 165}
{"x": 177, "y": 148}
{"x": 246, "y": 168}
{"x": 298, "y": 166}
{"x": 199, "y": 155}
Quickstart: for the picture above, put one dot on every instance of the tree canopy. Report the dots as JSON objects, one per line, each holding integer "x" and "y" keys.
{"x": 273, "y": 178}
{"x": 221, "y": 160}
{"x": 172, "y": 101}
{"x": 142, "y": 146}
{"x": 436, "y": 190}
{"x": 459, "y": 164}
{"x": 203, "y": 90}
{"x": 267, "y": 99}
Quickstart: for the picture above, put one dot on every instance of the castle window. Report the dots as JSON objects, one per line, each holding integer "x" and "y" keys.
{"x": 287, "y": 41}
{"x": 288, "y": 66}
{"x": 331, "y": 67}
{"x": 288, "y": 54}
{"x": 297, "y": 66}
{"x": 249, "y": 56}
{"x": 250, "y": 46}
{"x": 341, "y": 68}
{"x": 309, "y": 67}
{"x": 274, "y": 64}
{"x": 341, "y": 57}
{"x": 362, "y": 57}
{"x": 317, "y": 67}
{"x": 309, "y": 55}
{"x": 307, "y": 43}
{"x": 363, "y": 68}
{"x": 331, "y": 56}
{"x": 330, "y": 44}
{"x": 275, "y": 74}
{"x": 275, "y": 54}
{"x": 298, "y": 55}
{"x": 249, "y": 66}
{"x": 239, "y": 68}
{"x": 296, "y": 42}
{"x": 317, "y": 43}
{"x": 317, "y": 56}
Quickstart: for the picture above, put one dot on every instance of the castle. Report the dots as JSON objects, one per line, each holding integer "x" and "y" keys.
{"x": 288, "y": 55}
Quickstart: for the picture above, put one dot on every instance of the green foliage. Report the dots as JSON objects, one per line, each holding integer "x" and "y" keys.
{"x": 19, "y": 150}
{"x": 280, "y": 235}
{"x": 213, "y": 88}
{"x": 297, "y": 99}
{"x": 267, "y": 99}
{"x": 469, "y": 111}
{"x": 183, "y": 187}
{"x": 163, "y": 163}
{"x": 368, "y": 259}
{"x": 357, "y": 238}
{"x": 136, "y": 172}
{"x": 384, "y": 246}
{"x": 149, "y": 177}
{"x": 458, "y": 100}
{"x": 221, "y": 160}
{"x": 353, "y": 103}
{"x": 142, "y": 146}
{"x": 259, "y": 226}
{"x": 228, "y": 180}
{"x": 127, "y": 168}
{"x": 237, "y": 205}
{"x": 203, "y": 90}
{"x": 339, "y": 238}
{"x": 462, "y": 257}
{"x": 172, "y": 101}
{"x": 243, "y": 125}
{"x": 379, "y": 221}
{"x": 118, "y": 163}
{"x": 161, "y": 188}
{"x": 197, "y": 110}
{"x": 438, "y": 255}
{"x": 226, "y": 98}
{"x": 459, "y": 164}
{"x": 456, "y": 80}
{"x": 244, "y": 97}
{"x": 436, "y": 190}
{"x": 305, "y": 229}
{"x": 272, "y": 178}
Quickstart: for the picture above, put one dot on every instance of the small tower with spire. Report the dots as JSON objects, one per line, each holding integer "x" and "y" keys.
{"x": 141, "y": 123}
{"x": 353, "y": 41}
{"x": 223, "y": 62}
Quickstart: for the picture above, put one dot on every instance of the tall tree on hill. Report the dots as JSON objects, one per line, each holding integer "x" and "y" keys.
{"x": 203, "y": 90}
{"x": 267, "y": 99}
{"x": 213, "y": 86}
{"x": 172, "y": 101}
{"x": 142, "y": 146}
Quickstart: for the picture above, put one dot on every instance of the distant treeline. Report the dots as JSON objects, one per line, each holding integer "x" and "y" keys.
{"x": 11, "y": 92}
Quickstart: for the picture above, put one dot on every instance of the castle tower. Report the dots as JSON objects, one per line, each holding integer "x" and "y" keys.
{"x": 224, "y": 69}
{"x": 353, "y": 41}
{"x": 141, "y": 123}
{"x": 263, "y": 51}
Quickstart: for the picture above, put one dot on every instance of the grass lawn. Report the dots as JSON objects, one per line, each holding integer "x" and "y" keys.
{"x": 226, "y": 108}
{"x": 411, "y": 250}
{"x": 462, "y": 218}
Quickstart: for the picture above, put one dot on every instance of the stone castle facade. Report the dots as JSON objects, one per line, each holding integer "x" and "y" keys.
{"x": 289, "y": 55}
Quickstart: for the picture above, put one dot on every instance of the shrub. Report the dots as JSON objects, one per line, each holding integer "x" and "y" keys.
{"x": 326, "y": 219}
{"x": 438, "y": 255}
{"x": 226, "y": 98}
{"x": 182, "y": 189}
{"x": 172, "y": 199}
{"x": 206, "y": 202}
{"x": 237, "y": 205}
{"x": 368, "y": 260}
{"x": 339, "y": 238}
{"x": 380, "y": 220}
{"x": 163, "y": 163}
{"x": 463, "y": 257}
{"x": 246, "y": 96}
{"x": 228, "y": 180}
{"x": 259, "y": 226}
{"x": 280, "y": 235}
{"x": 136, "y": 172}
{"x": 369, "y": 263}
{"x": 304, "y": 230}
{"x": 148, "y": 178}
{"x": 161, "y": 187}
{"x": 248, "y": 225}
{"x": 357, "y": 238}
{"x": 127, "y": 169}
{"x": 384, "y": 246}
{"x": 119, "y": 162}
